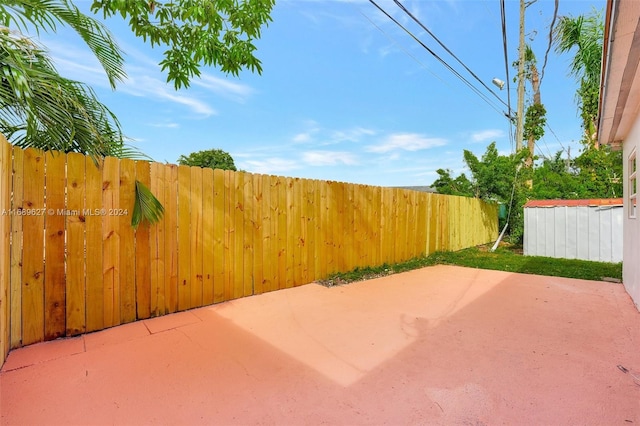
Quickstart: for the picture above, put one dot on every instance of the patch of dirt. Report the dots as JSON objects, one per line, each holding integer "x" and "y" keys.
{"x": 338, "y": 281}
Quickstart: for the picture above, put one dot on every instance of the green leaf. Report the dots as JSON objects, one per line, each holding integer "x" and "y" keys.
{"x": 146, "y": 206}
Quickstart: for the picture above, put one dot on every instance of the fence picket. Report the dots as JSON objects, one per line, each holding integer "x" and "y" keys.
{"x": 248, "y": 233}
{"x": 238, "y": 236}
{"x": 94, "y": 248}
{"x": 208, "y": 233}
{"x": 184, "y": 238}
{"x": 142, "y": 254}
{"x": 5, "y": 249}
{"x": 111, "y": 241}
{"x": 195, "y": 223}
{"x": 171, "y": 239}
{"x": 219, "y": 214}
{"x": 75, "y": 225}
{"x": 33, "y": 259}
{"x": 268, "y": 236}
{"x": 122, "y": 213}
{"x": 157, "y": 284}
{"x": 258, "y": 241}
{"x": 229, "y": 234}
{"x": 282, "y": 230}
{"x": 16, "y": 248}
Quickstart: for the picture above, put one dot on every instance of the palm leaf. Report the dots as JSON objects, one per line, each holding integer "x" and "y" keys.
{"x": 146, "y": 206}
{"x": 45, "y": 14}
{"x": 41, "y": 109}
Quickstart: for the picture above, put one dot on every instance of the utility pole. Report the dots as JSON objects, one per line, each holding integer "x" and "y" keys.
{"x": 520, "y": 116}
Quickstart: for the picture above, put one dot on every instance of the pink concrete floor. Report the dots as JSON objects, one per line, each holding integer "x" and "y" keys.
{"x": 442, "y": 345}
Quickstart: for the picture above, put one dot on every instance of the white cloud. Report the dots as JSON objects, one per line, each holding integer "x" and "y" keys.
{"x": 270, "y": 165}
{"x": 328, "y": 158}
{"x": 165, "y": 125}
{"x": 351, "y": 135}
{"x": 144, "y": 78}
{"x": 150, "y": 87}
{"x": 307, "y": 135}
{"x": 302, "y": 137}
{"x": 485, "y": 135}
{"x": 406, "y": 142}
{"x": 223, "y": 87}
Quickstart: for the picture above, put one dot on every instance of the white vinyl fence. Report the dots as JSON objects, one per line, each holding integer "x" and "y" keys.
{"x": 574, "y": 229}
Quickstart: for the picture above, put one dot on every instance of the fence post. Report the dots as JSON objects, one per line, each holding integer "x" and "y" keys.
{"x": 5, "y": 253}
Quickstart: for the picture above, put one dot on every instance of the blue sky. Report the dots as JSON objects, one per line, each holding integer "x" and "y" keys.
{"x": 345, "y": 94}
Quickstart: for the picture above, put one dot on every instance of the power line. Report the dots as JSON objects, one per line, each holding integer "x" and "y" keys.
{"x": 503, "y": 22}
{"x": 402, "y": 48}
{"x": 556, "y": 136}
{"x": 442, "y": 61}
{"x": 417, "y": 21}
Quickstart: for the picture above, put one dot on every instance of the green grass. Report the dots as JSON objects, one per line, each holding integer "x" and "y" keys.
{"x": 505, "y": 258}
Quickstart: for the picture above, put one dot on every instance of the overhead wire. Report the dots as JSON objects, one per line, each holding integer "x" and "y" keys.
{"x": 503, "y": 22}
{"x": 484, "y": 97}
{"x": 556, "y": 136}
{"x": 402, "y": 48}
{"x": 424, "y": 27}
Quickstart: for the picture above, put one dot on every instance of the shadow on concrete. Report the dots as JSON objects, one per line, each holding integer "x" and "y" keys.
{"x": 440, "y": 345}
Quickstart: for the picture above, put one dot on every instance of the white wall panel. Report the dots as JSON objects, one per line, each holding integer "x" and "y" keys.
{"x": 580, "y": 232}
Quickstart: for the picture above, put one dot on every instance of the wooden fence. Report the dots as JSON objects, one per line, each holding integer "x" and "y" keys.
{"x": 76, "y": 265}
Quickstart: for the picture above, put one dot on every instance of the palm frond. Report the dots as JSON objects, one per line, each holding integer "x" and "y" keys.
{"x": 45, "y": 14}
{"x": 43, "y": 110}
{"x": 146, "y": 206}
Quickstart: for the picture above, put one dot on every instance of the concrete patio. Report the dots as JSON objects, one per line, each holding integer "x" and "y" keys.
{"x": 441, "y": 345}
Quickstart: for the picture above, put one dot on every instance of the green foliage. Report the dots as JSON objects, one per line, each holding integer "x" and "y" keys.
{"x": 45, "y": 15}
{"x": 534, "y": 121}
{"x": 600, "y": 172}
{"x": 41, "y": 109}
{"x": 584, "y": 36}
{"x": 493, "y": 177}
{"x": 507, "y": 258}
{"x": 447, "y": 185}
{"x": 555, "y": 179}
{"x": 493, "y": 174}
{"x": 71, "y": 121}
{"x": 595, "y": 173}
{"x": 196, "y": 32}
{"x": 212, "y": 158}
{"x": 146, "y": 206}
